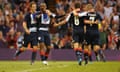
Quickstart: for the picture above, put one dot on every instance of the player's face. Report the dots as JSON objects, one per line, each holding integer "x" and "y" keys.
{"x": 34, "y": 7}
{"x": 84, "y": 8}
{"x": 43, "y": 8}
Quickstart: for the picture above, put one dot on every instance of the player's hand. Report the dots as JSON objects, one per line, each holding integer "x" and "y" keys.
{"x": 27, "y": 31}
{"x": 55, "y": 24}
{"x": 48, "y": 12}
{"x": 38, "y": 16}
{"x": 96, "y": 22}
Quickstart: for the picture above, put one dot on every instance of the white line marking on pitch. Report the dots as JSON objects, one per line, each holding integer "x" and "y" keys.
{"x": 43, "y": 68}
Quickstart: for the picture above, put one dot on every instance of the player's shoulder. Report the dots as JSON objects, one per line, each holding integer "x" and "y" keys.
{"x": 83, "y": 13}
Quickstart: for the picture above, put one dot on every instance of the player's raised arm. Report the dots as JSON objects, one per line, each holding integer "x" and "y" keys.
{"x": 82, "y": 14}
{"x": 62, "y": 22}
{"x": 77, "y": 12}
{"x": 53, "y": 16}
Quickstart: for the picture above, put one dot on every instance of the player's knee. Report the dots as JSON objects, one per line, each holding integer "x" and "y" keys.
{"x": 35, "y": 48}
{"x": 86, "y": 51}
{"x": 22, "y": 49}
{"x": 76, "y": 45}
{"x": 96, "y": 47}
{"x": 78, "y": 49}
{"x": 49, "y": 47}
{"x": 89, "y": 53}
{"x": 42, "y": 45}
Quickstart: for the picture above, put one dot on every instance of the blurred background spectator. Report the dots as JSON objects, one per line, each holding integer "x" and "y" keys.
{"x": 2, "y": 40}
{"x": 12, "y": 14}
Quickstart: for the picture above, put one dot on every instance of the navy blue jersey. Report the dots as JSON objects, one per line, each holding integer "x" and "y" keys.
{"x": 59, "y": 19}
{"x": 44, "y": 21}
{"x": 93, "y": 16}
{"x": 31, "y": 21}
{"x": 76, "y": 22}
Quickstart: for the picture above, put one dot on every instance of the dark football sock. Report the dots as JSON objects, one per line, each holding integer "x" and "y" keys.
{"x": 79, "y": 56}
{"x": 18, "y": 52}
{"x": 33, "y": 56}
{"x": 102, "y": 55}
{"x": 90, "y": 56}
{"x": 47, "y": 53}
{"x": 42, "y": 55}
{"x": 86, "y": 58}
{"x": 97, "y": 56}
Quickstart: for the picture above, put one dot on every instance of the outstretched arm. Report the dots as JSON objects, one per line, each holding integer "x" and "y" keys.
{"x": 62, "y": 22}
{"x": 91, "y": 22}
{"x": 77, "y": 12}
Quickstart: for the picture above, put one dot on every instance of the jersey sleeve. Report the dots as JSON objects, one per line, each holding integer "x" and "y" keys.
{"x": 82, "y": 14}
{"x": 68, "y": 17}
{"x": 53, "y": 15}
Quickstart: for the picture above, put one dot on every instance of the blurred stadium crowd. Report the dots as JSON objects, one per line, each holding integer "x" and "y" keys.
{"x": 12, "y": 14}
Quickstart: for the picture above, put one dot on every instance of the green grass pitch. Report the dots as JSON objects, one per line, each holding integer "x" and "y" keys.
{"x": 59, "y": 66}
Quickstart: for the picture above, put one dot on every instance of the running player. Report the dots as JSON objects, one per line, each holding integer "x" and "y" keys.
{"x": 19, "y": 45}
{"x": 30, "y": 35}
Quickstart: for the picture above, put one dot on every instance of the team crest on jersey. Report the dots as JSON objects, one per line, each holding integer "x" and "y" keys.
{"x": 39, "y": 38}
{"x": 33, "y": 20}
{"x": 45, "y": 19}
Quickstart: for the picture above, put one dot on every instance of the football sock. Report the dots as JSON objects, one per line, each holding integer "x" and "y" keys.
{"x": 33, "y": 56}
{"x": 102, "y": 55}
{"x": 47, "y": 53}
{"x": 97, "y": 56}
{"x": 18, "y": 52}
{"x": 42, "y": 55}
{"x": 86, "y": 56}
{"x": 78, "y": 53}
{"x": 90, "y": 56}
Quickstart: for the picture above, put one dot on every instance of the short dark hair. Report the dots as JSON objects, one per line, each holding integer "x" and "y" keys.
{"x": 43, "y": 4}
{"x": 77, "y": 5}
